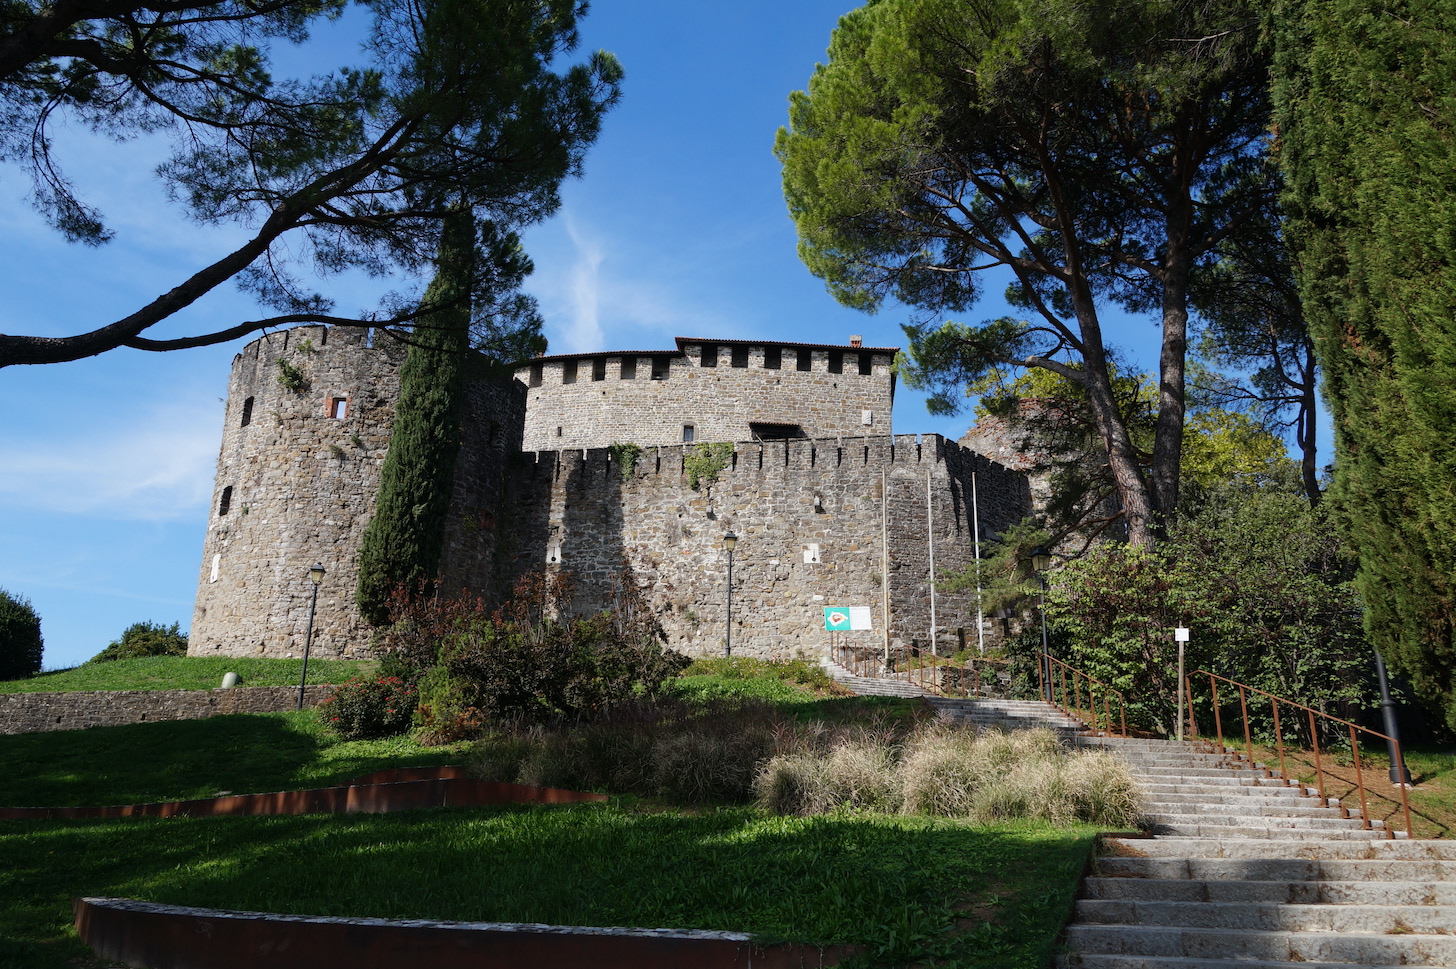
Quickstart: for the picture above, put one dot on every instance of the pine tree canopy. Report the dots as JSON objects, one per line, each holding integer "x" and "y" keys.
{"x": 452, "y": 102}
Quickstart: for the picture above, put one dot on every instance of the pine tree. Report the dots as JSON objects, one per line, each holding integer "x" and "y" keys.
{"x": 403, "y": 541}
{"x": 1363, "y": 95}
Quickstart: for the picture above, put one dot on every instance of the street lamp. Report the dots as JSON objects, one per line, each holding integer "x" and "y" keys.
{"x": 315, "y": 575}
{"x": 729, "y": 540}
{"x": 1398, "y": 773}
{"x": 1041, "y": 560}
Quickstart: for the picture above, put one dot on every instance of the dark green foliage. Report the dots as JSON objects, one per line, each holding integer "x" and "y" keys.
{"x": 402, "y": 543}
{"x": 1365, "y": 107}
{"x": 1260, "y": 577}
{"x": 367, "y": 707}
{"x": 525, "y": 664}
{"x": 20, "y": 640}
{"x": 1100, "y": 152}
{"x": 325, "y": 172}
{"x": 145, "y": 639}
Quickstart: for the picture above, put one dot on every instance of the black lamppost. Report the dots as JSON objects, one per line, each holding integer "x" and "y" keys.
{"x": 1398, "y": 773}
{"x": 729, "y": 540}
{"x": 315, "y": 575}
{"x": 1041, "y": 560}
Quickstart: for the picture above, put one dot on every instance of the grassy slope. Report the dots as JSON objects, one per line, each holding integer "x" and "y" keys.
{"x": 910, "y": 889}
{"x": 184, "y": 673}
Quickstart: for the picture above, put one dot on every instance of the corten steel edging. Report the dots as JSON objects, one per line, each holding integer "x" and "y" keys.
{"x": 417, "y": 787}
{"x": 177, "y": 937}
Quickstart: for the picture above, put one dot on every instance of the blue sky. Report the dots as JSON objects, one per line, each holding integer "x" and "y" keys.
{"x": 677, "y": 229}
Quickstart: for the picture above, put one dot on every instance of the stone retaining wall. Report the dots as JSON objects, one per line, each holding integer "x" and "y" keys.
{"x": 35, "y": 712}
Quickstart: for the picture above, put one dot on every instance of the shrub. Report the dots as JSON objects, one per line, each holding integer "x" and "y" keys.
{"x": 20, "y": 640}
{"x": 365, "y": 707}
{"x": 522, "y": 665}
{"x": 145, "y": 639}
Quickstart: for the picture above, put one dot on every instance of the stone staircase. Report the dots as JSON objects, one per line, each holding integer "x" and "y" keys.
{"x": 1240, "y": 871}
{"x": 1244, "y": 872}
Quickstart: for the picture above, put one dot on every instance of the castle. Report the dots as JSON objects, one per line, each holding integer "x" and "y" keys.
{"x": 586, "y": 464}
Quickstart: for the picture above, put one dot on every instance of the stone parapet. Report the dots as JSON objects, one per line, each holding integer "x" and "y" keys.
{"x": 38, "y": 712}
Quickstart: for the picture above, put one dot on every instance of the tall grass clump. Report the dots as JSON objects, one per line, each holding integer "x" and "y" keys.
{"x": 947, "y": 771}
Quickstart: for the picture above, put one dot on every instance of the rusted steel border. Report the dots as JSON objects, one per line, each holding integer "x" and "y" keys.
{"x": 178, "y": 937}
{"x": 401, "y": 789}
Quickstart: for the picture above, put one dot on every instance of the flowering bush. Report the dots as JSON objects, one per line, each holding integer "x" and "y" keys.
{"x": 365, "y": 707}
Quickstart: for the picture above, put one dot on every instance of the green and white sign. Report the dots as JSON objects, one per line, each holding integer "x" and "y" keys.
{"x": 841, "y": 619}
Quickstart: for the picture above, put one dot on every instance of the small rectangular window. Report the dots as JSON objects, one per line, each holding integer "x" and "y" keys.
{"x": 866, "y": 364}
{"x": 599, "y": 368}
{"x": 568, "y": 372}
{"x": 339, "y": 408}
{"x": 773, "y": 358}
{"x": 535, "y": 375}
{"x": 629, "y": 368}
{"x": 710, "y": 355}
{"x": 689, "y": 432}
{"x": 226, "y": 501}
{"x": 836, "y": 361}
{"x": 660, "y": 368}
{"x": 247, "y": 412}
{"x": 740, "y": 357}
{"x": 806, "y": 360}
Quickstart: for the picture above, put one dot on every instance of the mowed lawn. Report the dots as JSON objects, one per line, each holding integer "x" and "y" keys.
{"x": 909, "y": 889}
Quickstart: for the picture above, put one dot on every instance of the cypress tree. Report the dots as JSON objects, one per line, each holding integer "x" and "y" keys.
{"x": 1363, "y": 94}
{"x": 403, "y": 541}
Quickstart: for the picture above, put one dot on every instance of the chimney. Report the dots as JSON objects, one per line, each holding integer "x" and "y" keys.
{"x": 856, "y": 340}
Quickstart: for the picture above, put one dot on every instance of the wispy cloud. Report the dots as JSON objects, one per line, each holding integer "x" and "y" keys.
{"x": 157, "y": 468}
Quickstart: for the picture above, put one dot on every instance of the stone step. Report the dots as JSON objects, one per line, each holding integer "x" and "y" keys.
{"x": 1221, "y": 796}
{"x": 1087, "y": 961}
{"x": 1195, "y": 849}
{"x": 1364, "y": 948}
{"x": 1277, "y": 869}
{"x": 1287, "y": 819}
{"x": 1235, "y": 806}
{"x": 1266, "y": 832}
{"x": 1297, "y": 892}
{"x": 1271, "y": 916}
{"x": 1275, "y": 789}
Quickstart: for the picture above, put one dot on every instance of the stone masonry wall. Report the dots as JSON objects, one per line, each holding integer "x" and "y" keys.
{"x": 37, "y": 712}
{"x": 808, "y": 515}
{"x": 718, "y": 401}
{"x": 295, "y": 485}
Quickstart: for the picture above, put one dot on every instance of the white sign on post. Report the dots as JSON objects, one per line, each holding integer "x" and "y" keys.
{"x": 1180, "y": 634}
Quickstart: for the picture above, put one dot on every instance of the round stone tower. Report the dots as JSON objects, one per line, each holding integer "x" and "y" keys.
{"x": 306, "y": 427}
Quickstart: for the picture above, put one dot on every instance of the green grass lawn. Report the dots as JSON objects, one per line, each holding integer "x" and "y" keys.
{"x": 910, "y": 889}
{"x": 185, "y": 673}
{"x": 180, "y": 759}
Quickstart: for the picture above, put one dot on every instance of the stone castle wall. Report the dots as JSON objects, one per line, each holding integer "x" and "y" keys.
{"x": 595, "y": 400}
{"x": 298, "y": 473}
{"x": 810, "y": 516}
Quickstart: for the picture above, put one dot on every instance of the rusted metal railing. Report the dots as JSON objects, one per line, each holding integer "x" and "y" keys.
{"x": 1355, "y": 731}
{"x": 1065, "y": 685}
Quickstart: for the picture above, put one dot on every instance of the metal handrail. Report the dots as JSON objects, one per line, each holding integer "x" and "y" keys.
{"x": 1049, "y": 667}
{"x": 1354, "y": 729}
